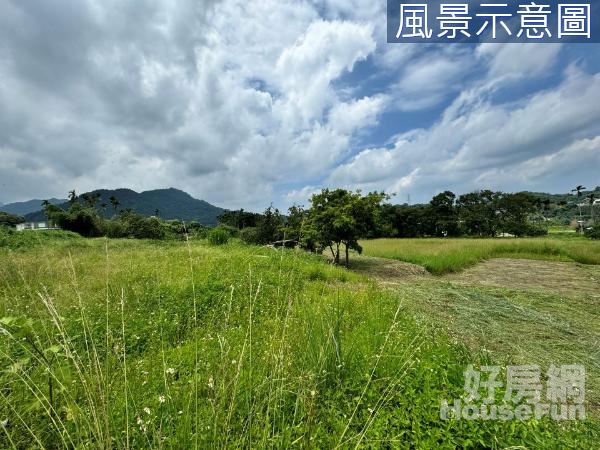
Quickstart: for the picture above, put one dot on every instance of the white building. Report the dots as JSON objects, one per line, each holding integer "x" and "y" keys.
{"x": 36, "y": 226}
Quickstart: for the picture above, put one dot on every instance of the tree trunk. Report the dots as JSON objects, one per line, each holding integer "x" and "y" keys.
{"x": 347, "y": 260}
{"x": 337, "y": 253}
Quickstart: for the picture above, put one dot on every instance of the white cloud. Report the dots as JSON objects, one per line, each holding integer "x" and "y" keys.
{"x": 235, "y": 101}
{"x": 515, "y": 61}
{"x": 478, "y": 146}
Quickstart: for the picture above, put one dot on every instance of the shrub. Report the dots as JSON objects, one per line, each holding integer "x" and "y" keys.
{"x": 593, "y": 232}
{"x": 151, "y": 228}
{"x": 534, "y": 230}
{"x": 249, "y": 235}
{"x": 231, "y": 231}
{"x": 84, "y": 221}
{"x": 114, "y": 229}
{"x": 218, "y": 236}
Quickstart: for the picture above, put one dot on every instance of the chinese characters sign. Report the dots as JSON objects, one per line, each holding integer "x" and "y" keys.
{"x": 470, "y": 21}
{"x": 528, "y": 393}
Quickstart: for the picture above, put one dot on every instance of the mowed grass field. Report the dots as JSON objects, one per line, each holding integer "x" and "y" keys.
{"x": 440, "y": 256}
{"x": 140, "y": 344}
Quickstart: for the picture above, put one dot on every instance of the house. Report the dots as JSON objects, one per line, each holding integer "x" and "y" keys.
{"x": 36, "y": 226}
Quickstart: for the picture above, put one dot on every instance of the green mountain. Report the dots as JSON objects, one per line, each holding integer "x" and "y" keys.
{"x": 171, "y": 204}
{"x": 30, "y": 206}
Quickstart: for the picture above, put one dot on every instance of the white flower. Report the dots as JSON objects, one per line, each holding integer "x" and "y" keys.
{"x": 162, "y": 399}
{"x": 170, "y": 371}
{"x": 4, "y": 423}
{"x": 211, "y": 383}
{"x": 147, "y": 410}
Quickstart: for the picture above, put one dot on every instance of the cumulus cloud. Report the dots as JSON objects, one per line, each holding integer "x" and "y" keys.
{"x": 246, "y": 103}
{"x": 224, "y": 99}
{"x": 485, "y": 144}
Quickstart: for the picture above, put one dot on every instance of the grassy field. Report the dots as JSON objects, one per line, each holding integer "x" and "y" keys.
{"x": 133, "y": 344}
{"x": 441, "y": 256}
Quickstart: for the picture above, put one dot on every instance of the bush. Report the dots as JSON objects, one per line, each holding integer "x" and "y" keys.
{"x": 593, "y": 232}
{"x": 218, "y": 236}
{"x": 231, "y": 231}
{"x": 534, "y": 230}
{"x": 149, "y": 228}
{"x": 249, "y": 235}
{"x": 84, "y": 221}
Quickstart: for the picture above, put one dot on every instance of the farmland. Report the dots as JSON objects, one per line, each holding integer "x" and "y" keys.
{"x": 115, "y": 343}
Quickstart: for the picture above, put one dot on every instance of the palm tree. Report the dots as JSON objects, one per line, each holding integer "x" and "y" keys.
{"x": 72, "y": 197}
{"x": 96, "y": 197}
{"x": 45, "y": 205}
{"x": 114, "y": 202}
{"x": 579, "y": 190}
{"x": 87, "y": 199}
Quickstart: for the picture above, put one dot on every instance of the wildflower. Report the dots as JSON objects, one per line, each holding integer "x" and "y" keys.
{"x": 313, "y": 393}
{"x": 162, "y": 399}
{"x": 4, "y": 423}
{"x": 211, "y": 383}
{"x": 147, "y": 410}
{"x": 170, "y": 371}
{"x": 142, "y": 425}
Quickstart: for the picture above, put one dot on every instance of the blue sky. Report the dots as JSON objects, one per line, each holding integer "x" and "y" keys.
{"x": 250, "y": 103}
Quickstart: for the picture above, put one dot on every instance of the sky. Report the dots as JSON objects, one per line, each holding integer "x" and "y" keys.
{"x": 244, "y": 104}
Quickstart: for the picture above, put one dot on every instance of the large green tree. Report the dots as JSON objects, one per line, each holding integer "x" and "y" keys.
{"x": 443, "y": 215}
{"x": 340, "y": 217}
{"x": 10, "y": 219}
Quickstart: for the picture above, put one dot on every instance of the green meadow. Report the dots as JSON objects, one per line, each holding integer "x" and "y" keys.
{"x": 440, "y": 256}
{"x": 182, "y": 344}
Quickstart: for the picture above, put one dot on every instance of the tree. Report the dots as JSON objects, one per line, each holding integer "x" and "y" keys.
{"x": 579, "y": 189}
{"x": 78, "y": 218}
{"x": 340, "y": 217}
{"x": 72, "y": 197}
{"x": 513, "y": 210}
{"x": 294, "y": 222}
{"x": 444, "y": 217}
{"x": 115, "y": 203}
{"x": 478, "y": 213}
{"x": 45, "y": 207}
{"x": 270, "y": 226}
{"x": 10, "y": 220}
{"x": 592, "y": 199}
{"x": 239, "y": 219}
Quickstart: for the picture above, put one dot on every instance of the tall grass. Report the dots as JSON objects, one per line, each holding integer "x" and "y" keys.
{"x": 115, "y": 344}
{"x": 441, "y": 256}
